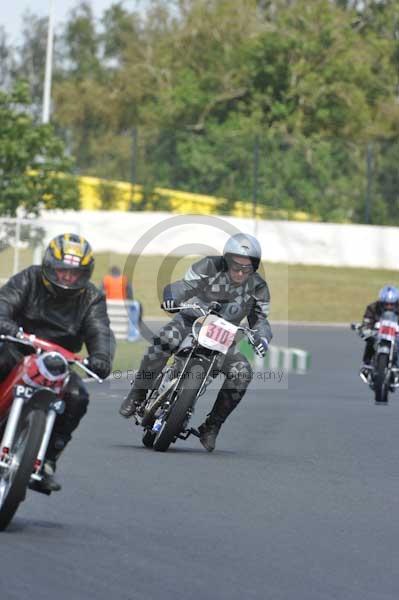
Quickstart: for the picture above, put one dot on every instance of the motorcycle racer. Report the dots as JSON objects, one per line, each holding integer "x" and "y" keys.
{"x": 388, "y": 299}
{"x": 233, "y": 281}
{"x": 57, "y": 302}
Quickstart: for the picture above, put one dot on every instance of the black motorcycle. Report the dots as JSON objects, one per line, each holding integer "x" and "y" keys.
{"x": 168, "y": 408}
{"x": 383, "y": 374}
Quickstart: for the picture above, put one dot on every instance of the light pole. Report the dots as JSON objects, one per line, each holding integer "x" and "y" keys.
{"x": 369, "y": 170}
{"x": 255, "y": 184}
{"x": 49, "y": 65}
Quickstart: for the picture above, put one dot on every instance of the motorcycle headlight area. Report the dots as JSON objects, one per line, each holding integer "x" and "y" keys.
{"x": 196, "y": 327}
{"x": 47, "y": 370}
{"x": 53, "y": 366}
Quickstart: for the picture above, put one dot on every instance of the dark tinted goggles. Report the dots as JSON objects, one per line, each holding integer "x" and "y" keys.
{"x": 389, "y": 305}
{"x": 237, "y": 267}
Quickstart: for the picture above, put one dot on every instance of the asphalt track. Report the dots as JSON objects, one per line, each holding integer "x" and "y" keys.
{"x": 300, "y": 500}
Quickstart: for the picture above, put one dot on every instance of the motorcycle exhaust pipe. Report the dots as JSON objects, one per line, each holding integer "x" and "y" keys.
{"x": 160, "y": 398}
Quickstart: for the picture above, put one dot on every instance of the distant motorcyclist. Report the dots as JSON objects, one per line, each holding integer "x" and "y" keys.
{"x": 388, "y": 299}
{"x": 232, "y": 280}
{"x": 57, "y": 302}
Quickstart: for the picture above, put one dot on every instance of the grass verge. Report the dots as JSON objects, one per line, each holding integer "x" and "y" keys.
{"x": 298, "y": 292}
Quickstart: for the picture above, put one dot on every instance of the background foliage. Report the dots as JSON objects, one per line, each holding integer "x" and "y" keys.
{"x": 33, "y": 165}
{"x": 279, "y": 99}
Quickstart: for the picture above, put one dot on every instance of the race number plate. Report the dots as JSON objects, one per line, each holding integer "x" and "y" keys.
{"x": 217, "y": 334}
{"x": 388, "y": 330}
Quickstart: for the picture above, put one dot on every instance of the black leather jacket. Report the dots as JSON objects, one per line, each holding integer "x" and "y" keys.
{"x": 207, "y": 281}
{"x": 70, "y": 322}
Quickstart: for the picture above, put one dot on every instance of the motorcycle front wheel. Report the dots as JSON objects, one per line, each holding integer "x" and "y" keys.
{"x": 15, "y": 479}
{"x": 381, "y": 384}
{"x": 148, "y": 439}
{"x": 177, "y": 416}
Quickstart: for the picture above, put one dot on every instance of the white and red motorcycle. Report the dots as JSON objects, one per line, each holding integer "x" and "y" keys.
{"x": 383, "y": 374}
{"x": 31, "y": 397}
{"x": 168, "y": 408}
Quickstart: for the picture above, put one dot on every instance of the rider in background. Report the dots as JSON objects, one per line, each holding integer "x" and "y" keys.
{"x": 388, "y": 299}
{"x": 232, "y": 280}
{"x": 57, "y": 302}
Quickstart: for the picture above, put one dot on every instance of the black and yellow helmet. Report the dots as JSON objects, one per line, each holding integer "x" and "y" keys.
{"x": 68, "y": 264}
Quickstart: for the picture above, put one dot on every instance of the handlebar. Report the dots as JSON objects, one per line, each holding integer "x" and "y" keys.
{"x": 39, "y": 345}
{"x": 83, "y": 365}
{"x": 187, "y": 307}
{"x": 366, "y": 332}
{"x": 250, "y": 333}
{"x": 359, "y": 328}
{"x": 20, "y": 338}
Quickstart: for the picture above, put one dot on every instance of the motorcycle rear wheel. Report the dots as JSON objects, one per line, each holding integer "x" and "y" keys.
{"x": 14, "y": 481}
{"x": 381, "y": 384}
{"x": 177, "y": 416}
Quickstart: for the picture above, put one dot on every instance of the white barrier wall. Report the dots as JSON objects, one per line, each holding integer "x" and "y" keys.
{"x": 282, "y": 241}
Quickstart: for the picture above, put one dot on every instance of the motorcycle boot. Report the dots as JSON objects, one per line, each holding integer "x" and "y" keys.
{"x": 365, "y": 372}
{"x": 208, "y": 433}
{"x": 48, "y": 483}
{"x": 133, "y": 402}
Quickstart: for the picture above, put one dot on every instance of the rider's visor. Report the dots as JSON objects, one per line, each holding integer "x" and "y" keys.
{"x": 237, "y": 267}
{"x": 68, "y": 278}
{"x": 389, "y": 306}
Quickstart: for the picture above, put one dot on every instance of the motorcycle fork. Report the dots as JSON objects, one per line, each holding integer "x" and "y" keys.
{"x": 187, "y": 432}
{"x": 205, "y": 380}
{"x": 390, "y": 359}
{"x": 11, "y": 430}
{"x": 50, "y": 420}
{"x": 394, "y": 371}
{"x": 201, "y": 390}
{"x": 179, "y": 378}
{"x": 389, "y": 370}
{"x": 191, "y": 431}
{"x": 184, "y": 368}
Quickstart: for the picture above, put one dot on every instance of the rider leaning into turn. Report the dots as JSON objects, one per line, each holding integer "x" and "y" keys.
{"x": 57, "y": 302}
{"x": 231, "y": 280}
{"x": 388, "y": 299}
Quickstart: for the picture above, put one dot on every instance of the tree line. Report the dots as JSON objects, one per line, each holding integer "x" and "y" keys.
{"x": 289, "y": 102}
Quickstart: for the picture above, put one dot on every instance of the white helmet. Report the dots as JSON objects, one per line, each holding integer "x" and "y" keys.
{"x": 243, "y": 244}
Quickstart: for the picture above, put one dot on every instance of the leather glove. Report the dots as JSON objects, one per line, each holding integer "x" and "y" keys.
{"x": 261, "y": 345}
{"x": 8, "y": 328}
{"x": 168, "y": 304}
{"x": 366, "y": 333}
{"x": 100, "y": 366}
{"x": 215, "y": 306}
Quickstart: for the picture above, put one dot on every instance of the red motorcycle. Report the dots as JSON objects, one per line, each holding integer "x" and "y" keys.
{"x": 31, "y": 397}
